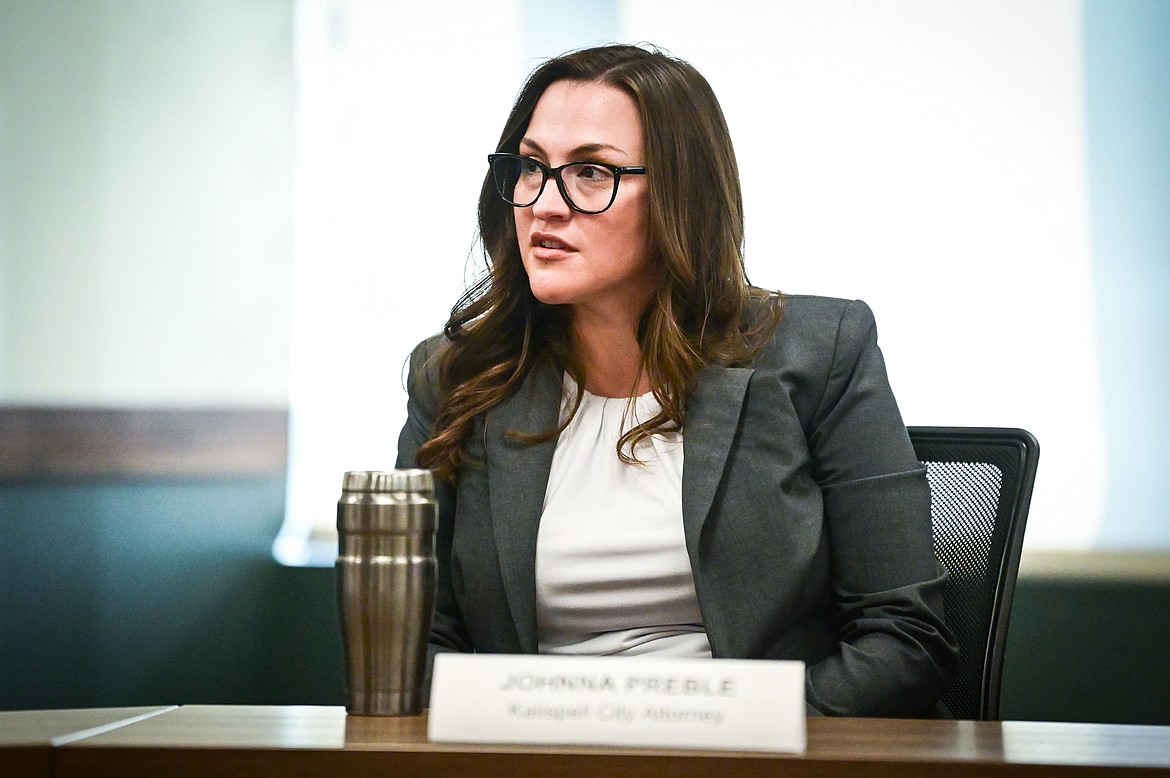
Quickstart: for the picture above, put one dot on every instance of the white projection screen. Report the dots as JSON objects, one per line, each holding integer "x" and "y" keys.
{"x": 927, "y": 157}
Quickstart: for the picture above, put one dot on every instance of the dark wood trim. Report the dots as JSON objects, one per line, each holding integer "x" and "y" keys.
{"x": 46, "y": 442}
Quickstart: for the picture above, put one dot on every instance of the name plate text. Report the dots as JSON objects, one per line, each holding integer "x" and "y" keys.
{"x": 727, "y": 704}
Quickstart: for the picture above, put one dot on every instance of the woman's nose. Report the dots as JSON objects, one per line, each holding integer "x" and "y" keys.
{"x": 551, "y": 203}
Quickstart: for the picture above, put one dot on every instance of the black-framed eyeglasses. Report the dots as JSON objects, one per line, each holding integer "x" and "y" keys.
{"x": 588, "y": 187}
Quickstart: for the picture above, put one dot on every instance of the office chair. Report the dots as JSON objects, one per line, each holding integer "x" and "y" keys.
{"x": 980, "y": 487}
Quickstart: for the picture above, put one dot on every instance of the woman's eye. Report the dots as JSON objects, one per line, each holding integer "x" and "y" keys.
{"x": 591, "y": 173}
{"x": 529, "y": 167}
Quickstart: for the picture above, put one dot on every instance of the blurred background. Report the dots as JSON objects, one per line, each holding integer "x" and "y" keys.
{"x": 224, "y": 224}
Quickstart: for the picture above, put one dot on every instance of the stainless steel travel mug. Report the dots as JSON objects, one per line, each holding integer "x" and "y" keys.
{"x": 386, "y": 588}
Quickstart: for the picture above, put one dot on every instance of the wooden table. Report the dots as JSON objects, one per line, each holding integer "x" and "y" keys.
{"x": 27, "y": 738}
{"x": 217, "y": 740}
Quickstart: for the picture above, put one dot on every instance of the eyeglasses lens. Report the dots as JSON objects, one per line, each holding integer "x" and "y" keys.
{"x": 589, "y": 187}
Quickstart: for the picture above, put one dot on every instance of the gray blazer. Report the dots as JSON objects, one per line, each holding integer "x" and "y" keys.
{"x": 805, "y": 512}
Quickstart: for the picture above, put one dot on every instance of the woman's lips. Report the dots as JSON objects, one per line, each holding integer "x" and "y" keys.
{"x": 548, "y": 246}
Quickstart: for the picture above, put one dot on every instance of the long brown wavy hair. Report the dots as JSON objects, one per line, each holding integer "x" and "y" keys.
{"x": 704, "y": 312}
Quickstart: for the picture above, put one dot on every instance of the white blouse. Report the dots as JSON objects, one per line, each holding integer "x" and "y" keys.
{"x": 612, "y": 572}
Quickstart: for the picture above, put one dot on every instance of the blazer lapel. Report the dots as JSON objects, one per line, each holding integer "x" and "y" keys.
{"x": 517, "y": 478}
{"x": 713, "y": 411}
{"x": 518, "y": 472}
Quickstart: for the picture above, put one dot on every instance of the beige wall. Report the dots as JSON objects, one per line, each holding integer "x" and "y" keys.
{"x": 146, "y": 168}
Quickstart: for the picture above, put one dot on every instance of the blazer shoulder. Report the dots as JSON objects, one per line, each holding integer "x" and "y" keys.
{"x": 815, "y": 330}
{"x": 806, "y": 312}
{"x": 817, "y": 348}
{"x": 423, "y": 368}
{"x": 429, "y": 348}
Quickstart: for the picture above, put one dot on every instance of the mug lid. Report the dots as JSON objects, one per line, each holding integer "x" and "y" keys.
{"x": 403, "y": 480}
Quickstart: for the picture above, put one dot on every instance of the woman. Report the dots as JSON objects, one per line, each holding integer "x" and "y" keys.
{"x": 639, "y": 452}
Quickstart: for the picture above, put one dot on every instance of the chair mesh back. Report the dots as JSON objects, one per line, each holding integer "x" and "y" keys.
{"x": 980, "y": 487}
{"x": 964, "y": 504}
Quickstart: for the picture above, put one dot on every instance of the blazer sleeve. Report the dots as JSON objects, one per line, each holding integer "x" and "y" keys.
{"x": 896, "y": 655}
{"x": 422, "y": 386}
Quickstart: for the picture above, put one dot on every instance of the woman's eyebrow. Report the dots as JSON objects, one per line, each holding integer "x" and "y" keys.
{"x": 593, "y": 148}
{"x": 531, "y": 144}
{"x": 584, "y": 148}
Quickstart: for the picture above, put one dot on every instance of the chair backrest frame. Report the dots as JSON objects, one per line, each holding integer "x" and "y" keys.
{"x": 1015, "y": 452}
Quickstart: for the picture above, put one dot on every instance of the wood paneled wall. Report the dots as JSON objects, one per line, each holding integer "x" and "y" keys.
{"x": 47, "y": 442}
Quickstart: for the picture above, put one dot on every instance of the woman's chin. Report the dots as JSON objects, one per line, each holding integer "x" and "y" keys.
{"x": 552, "y": 296}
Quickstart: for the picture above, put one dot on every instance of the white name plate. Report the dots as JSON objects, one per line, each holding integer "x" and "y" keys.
{"x": 729, "y": 704}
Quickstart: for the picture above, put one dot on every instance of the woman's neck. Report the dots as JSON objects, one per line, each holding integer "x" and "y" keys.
{"x": 609, "y": 352}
